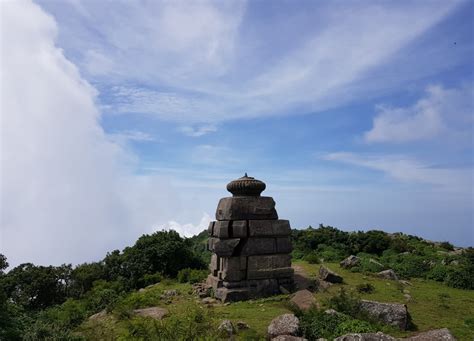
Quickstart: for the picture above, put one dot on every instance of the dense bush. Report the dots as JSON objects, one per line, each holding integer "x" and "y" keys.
{"x": 365, "y": 288}
{"x": 192, "y": 275}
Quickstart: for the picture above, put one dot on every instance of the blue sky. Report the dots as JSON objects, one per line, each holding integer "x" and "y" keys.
{"x": 356, "y": 114}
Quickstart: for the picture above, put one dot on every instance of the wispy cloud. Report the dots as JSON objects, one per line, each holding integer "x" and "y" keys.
{"x": 131, "y": 135}
{"x": 407, "y": 169}
{"x": 442, "y": 111}
{"x": 199, "y": 130}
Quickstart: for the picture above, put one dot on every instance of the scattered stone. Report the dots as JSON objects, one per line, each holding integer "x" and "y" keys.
{"x": 304, "y": 300}
{"x": 202, "y": 289}
{"x": 289, "y": 338}
{"x": 394, "y": 314}
{"x": 226, "y": 328}
{"x": 331, "y": 312}
{"x": 98, "y": 316}
{"x": 406, "y": 291}
{"x": 242, "y": 325}
{"x": 169, "y": 293}
{"x": 433, "y": 335}
{"x": 329, "y": 276}
{"x": 405, "y": 282}
{"x": 407, "y": 297}
{"x": 388, "y": 274}
{"x": 208, "y": 300}
{"x": 323, "y": 285}
{"x": 156, "y": 313}
{"x": 350, "y": 262}
{"x": 286, "y": 324}
{"x": 379, "y": 336}
{"x": 141, "y": 290}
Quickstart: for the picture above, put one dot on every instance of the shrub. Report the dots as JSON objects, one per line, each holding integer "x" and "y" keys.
{"x": 312, "y": 258}
{"x": 192, "y": 275}
{"x": 461, "y": 277}
{"x": 438, "y": 273}
{"x": 317, "y": 324}
{"x": 149, "y": 279}
{"x": 365, "y": 288}
{"x": 355, "y": 326}
{"x": 345, "y": 302}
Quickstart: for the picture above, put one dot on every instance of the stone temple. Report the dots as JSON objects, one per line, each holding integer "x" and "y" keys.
{"x": 251, "y": 247}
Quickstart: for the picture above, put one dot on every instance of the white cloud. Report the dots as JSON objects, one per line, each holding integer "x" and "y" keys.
{"x": 442, "y": 111}
{"x": 68, "y": 191}
{"x": 189, "y": 230}
{"x": 199, "y": 130}
{"x": 131, "y": 135}
{"x": 406, "y": 169}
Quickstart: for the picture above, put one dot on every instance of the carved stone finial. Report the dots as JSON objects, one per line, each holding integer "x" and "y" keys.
{"x": 246, "y": 186}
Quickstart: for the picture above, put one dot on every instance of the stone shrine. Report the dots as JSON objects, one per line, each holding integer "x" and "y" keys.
{"x": 251, "y": 247}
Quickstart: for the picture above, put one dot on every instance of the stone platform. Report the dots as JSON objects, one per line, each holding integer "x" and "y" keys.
{"x": 251, "y": 246}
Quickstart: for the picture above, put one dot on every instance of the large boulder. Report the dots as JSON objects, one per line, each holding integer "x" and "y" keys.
{"x": 388, "y": 274}
{"x": 350, "y": 262}
{"x": 304, "y": 300}
{"x": 286, "y": 324}
{"x": 289, "y": 338}
{"x": 329, "y": 276}
{"x": 156, "y": 313}
{"x": 379, "y": 336}
{"x": 226, "y": 328}
{"x": 394, "y": 314}
{"x": 433, "y": 335}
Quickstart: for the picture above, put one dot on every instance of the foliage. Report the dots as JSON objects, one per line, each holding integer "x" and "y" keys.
{"x": 354, "y": 326}
{"x": 311, "y": 258}
{"x": 192, "y": 275}
{"x": 366, "y": 288}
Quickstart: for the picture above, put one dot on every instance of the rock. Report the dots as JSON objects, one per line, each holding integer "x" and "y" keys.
{"x": 329, "y": 276}
{"x": 407, "y": 297}
{"x": 350, "y": 262}
{"x": 284, "y": 290}
{"x": 223, "y": 247}
{"x": 388, "y": 274}
{"x": 226, "y": 328}
{"x": 379, "y": 336}
{"x": 303, "y": 300}
{"x": 331, "y": 312}
{"x": 246, "y": 208}
{"x": 208, "y": 300}
{"x": 433, "y": 335}
{"x": 286, "y": 324}
{"x": 242, "y": 325}
{"x": 202, "y": 289}
{"x": 405, "y": 282}
{"x": 289, "y": 338}
{"x": 153, "y": 312}
{"x": 100, "y": 315}
{"x": 394, "y": 314}
{"x": 323, "y": 285}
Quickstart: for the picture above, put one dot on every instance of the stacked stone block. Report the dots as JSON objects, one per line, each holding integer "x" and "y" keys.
{"x": 251, "y": 247}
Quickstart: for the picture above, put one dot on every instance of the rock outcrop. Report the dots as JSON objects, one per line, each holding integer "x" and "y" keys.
{"x": 433, "y": 335}
{"x": 394, "y": 314}
{"x": 388, "y": 274}
{"x": 366, "y": 337}
{"x": 328, "y": 275}
{"x": 286, "y": 324}
{"x": 350, "y": 262}
{"x": 303, "y": 300}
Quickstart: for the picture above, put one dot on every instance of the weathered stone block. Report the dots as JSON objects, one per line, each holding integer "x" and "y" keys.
{"x": 232, "y": 295}
{"x": 210, "y": 229}
{"x": 259, "y": 228}
{"x": 223, "y": 247}
{"x": 232, "y": 276}
{"x": 270, "y": 273}
{"x": 243, "y": 208}
{"x": 234, "y": 263}
{"x": 259, "y": 246}
{"x": 284, "y": 245}
{"x": 221, "y": 229}
{"x": 268, "y": 262}
{"x": 239, "y": 229}
{"x": 214, "y": 265}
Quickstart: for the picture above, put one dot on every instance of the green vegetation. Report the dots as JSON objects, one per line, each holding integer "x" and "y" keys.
{"x": 96, "y": 300}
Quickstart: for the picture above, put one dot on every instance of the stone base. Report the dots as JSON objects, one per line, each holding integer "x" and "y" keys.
{"x": 249, "y": 289}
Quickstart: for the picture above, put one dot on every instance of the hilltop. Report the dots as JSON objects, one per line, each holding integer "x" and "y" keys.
{"x": 102, "y": 300}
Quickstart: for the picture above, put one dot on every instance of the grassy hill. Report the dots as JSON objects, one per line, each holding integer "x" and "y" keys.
{"x": 56, "y": 303}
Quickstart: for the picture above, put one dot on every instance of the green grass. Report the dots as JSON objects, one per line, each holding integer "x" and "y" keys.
{"x": 433, "y": 305}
